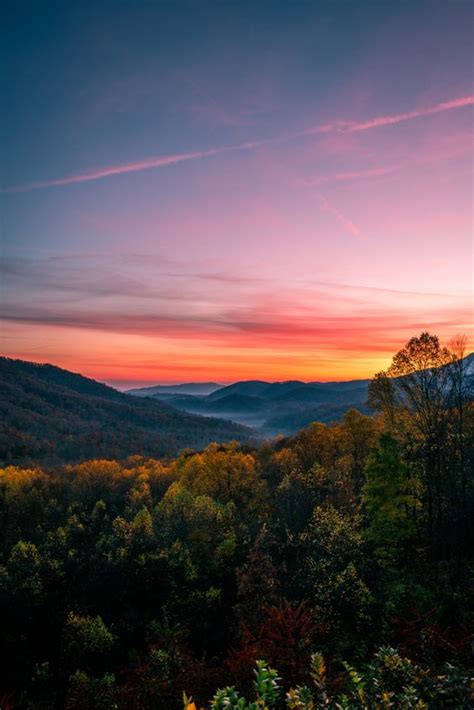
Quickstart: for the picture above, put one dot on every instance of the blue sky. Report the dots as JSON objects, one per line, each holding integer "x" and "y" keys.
{"x": 312, "y": 160}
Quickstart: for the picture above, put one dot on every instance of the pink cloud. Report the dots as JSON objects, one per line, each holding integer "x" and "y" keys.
{"x": 355, "y": 126}
{"x": 261, "y": 325}
{"x": 401, "y": 117}
{"x": 346, "y": 223}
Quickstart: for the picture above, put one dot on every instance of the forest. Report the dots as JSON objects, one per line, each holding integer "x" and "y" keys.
{"x": 330, "y": 569}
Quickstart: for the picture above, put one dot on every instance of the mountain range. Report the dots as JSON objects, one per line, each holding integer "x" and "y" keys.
{"x": 271, "y": 407}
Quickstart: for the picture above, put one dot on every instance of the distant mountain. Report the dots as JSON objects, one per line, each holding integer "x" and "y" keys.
{"x": 277, "y": 407}
{"x": 51, "y": 415}
{"x": 239, "y": 403}
{"x": 194, "y": 388}
{"x": 252, "y": 388}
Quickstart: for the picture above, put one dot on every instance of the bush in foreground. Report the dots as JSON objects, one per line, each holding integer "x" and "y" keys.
{"x": 388, "y": 681}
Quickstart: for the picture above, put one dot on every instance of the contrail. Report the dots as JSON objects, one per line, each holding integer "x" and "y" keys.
{"x": 378, "y": 121}
{"x": 161, "y": 161}
{"x": 400, "y": 117}
{"x": 138, "y": 166}
{"x": 346, "y": 223}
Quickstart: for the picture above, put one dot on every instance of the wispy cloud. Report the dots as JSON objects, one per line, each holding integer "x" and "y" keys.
{"x": 354, "y": 175}
{"x": 165, "y": 160}
{"x": 432, "y": 149}
{"x": 81, "y": 278}
{"x": 265, "y": 329}
{"x": 346, "y": 223}
{"x": 389, "y": 120}
{"x": 138, "y": 166}
{"x": 99, "y": 173}
{"x": 410, "y": 115}
{"x": 260, "y": 325}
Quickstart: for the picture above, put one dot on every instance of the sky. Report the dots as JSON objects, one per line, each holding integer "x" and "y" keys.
{"x": 224, "y": 190}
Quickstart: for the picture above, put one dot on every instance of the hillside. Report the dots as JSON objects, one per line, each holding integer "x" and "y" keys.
{"x": 52, "y": 415}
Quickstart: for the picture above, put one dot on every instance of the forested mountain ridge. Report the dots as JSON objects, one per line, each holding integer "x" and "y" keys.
{"x": 52, "y": 415}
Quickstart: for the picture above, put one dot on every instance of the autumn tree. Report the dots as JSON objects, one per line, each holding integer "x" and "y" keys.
{"x": 417, "y": 395}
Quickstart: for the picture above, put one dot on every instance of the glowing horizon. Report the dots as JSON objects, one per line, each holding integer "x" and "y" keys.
{"x": 248, "y": 204}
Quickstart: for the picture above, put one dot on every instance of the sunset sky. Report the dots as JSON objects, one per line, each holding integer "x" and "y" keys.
{"x": 228, "y": 190}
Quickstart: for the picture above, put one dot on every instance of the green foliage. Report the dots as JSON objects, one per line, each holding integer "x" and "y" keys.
{"x": 266, "y": 684}
{"x": 332, "y": 575}
{"x": 22, "y": 574}
{"x": 266, "y": 691}
{"x": 228, "y": 698}
{"x": 94, "y": 693}
{"x": 85, "y": 636}
{"x": 391, "y": 502}
{"x": 389, "y": 680}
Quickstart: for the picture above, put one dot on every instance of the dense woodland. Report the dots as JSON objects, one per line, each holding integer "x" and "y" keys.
{"x": 341, "y": 557}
